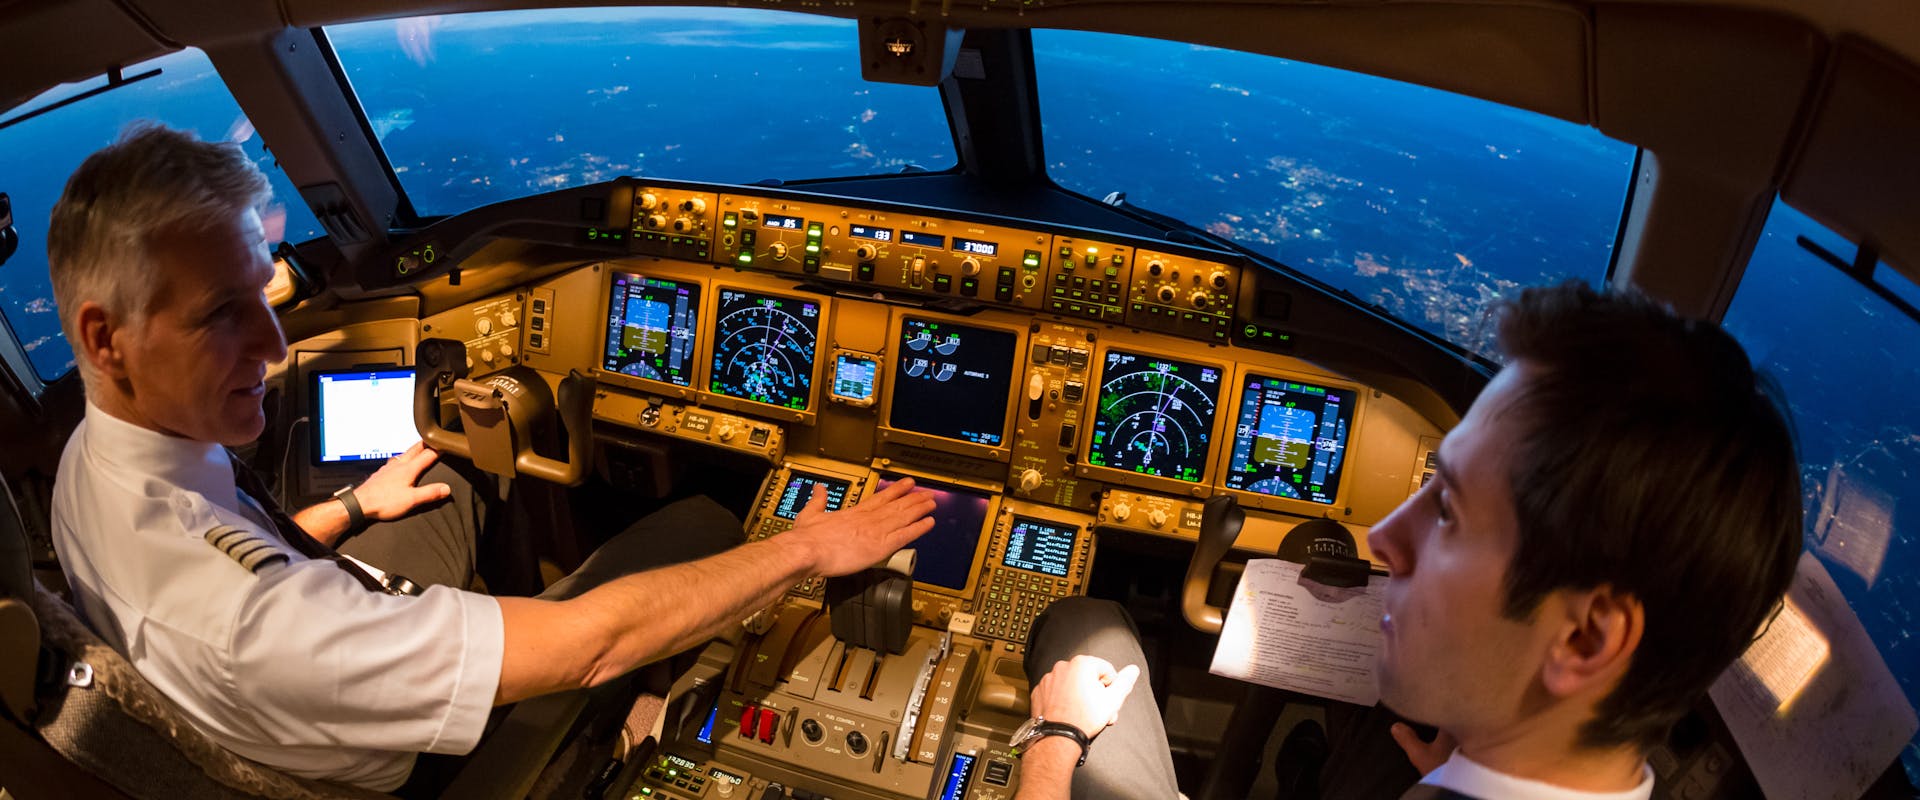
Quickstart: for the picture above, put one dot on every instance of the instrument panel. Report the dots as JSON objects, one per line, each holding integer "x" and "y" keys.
{"x": 1048, "y": 386}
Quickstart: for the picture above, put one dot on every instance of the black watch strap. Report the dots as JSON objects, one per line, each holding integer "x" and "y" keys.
{"x": 356, "y": 519}
{"x": 1046, "y": 728}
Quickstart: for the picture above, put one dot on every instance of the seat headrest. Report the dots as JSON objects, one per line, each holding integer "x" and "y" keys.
{"x": 16, "y": 560}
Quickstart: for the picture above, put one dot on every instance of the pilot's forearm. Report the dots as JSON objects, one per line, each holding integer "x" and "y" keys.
{"x": 604, "y": 633}
{"x": 325, "y": 521}
{"x": 1046, "y": 770}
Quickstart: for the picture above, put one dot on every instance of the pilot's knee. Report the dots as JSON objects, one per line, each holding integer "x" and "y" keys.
{"x": 1077, "y": 625}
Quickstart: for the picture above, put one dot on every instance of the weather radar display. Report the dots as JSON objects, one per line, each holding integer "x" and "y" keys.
{"x": 763, "y": 348}
{"x": 953, "y": 381}
{"x": 1290, "y": 440}
{"x": 1155, "y": 416}
{"x": 652, "y": 327}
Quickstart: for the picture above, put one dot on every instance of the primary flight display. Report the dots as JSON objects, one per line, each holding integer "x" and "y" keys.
{"x": 1291, "y": 439}
{"x": 652, "y": 328}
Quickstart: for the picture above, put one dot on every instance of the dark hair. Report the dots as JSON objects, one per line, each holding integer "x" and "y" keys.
{"x": 1652, "y": 459}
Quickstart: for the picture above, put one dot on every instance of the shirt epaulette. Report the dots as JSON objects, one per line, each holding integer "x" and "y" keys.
{"x": 249, "y": 549}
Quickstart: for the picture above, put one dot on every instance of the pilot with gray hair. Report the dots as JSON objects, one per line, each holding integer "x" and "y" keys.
{"x": 246, "y": 617}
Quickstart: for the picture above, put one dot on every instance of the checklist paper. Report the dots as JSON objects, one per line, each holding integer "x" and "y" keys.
{"x": 1302, "y": 636}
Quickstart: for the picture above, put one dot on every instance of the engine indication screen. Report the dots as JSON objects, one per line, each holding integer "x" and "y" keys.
{"x": 1039, "y": 546}
{"x": 799, "y": 490}
{"x": 953, "y": 381}
{"x": 945, "y": 554}
{"x": 763, "y": 348}
{"x": 652, "y": 327}
{"x": 1291, "y": 439}
{"x": 1155, "y": 416}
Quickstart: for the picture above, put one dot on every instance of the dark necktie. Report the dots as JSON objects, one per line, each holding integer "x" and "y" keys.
{"x": 296, "y": 537}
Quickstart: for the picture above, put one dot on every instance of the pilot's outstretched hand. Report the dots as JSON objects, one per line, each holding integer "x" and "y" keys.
{"x": 852, "y": 539}
{"x": 391, "y": 492}
{"x": 1426, "y": 756}
{"x": 1085, "y": 693}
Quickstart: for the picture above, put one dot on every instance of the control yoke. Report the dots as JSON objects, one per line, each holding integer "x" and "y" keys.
{"x": 502, "y": 414}
{"x": 1220, "y": 522}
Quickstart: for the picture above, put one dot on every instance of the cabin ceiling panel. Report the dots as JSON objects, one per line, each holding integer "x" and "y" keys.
{"x": 1719, "y": 90}
{"x": 1859, "y": 170}
{"x": 50, "y": 43}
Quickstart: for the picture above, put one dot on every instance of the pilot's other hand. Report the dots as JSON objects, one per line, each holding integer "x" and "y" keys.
{"x": 1085, "y": 693}
{"x": 1426, "y": 756}
{"x": 391, "y": 492}
{"x": 852, "y": 539}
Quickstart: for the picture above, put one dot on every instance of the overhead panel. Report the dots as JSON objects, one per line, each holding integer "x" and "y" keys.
{"x": 1859, "y": 171}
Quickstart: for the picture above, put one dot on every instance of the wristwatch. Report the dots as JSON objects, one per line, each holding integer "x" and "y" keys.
{"x": 356, "y": 520}
{"x": 1038, "y": 728}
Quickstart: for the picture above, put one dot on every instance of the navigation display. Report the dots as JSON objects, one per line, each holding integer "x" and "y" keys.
{"x": 763, "y": 348}
{"x": 652, "y": 327}
{"x": 799, "y": 490}
{"x": 1155, "y": 416}
{"x": 952, "y": 381}
{"x": 1039, "y": 546}
{"x": 945, "y": 556}
{"x": 1291, "y": 439}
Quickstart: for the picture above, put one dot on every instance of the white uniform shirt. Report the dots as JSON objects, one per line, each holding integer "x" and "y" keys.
{"x": 299, "y": 666}
{"x": 1468, "y": 777}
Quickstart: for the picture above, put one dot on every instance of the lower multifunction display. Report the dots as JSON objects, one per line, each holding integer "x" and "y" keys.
{"x": 1291, "y": 439}
{"x": 945, "y": 554}
{"x": 763, "y": 347}
{"x": 799, "y": 490}
{"x": 953, "y": 381}
{"x": 1038, "y": 546}
{"x": 1155, "y": 416}
{"x": 652, "y": 327}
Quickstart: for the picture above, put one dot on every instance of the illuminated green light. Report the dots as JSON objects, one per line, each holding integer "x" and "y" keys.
{"x": 745, "y": 257}
{"x": 813, "y": 247}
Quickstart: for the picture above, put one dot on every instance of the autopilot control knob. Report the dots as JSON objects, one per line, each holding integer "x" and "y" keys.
{"x": 1200, "y": 298}
{"x": 866, "y": 252}
{"x": 655, "y": 220}
{"x": 1157, "y": 517}
{"x": 1121, "y": 511}
{"x": 682, "y": 225}
{"x": 1030, "y": 479}
{"x": 1166, "y": 294}
{"x": 779, "y": 250}
{"x": 970, "y": 267}
{"x": 695, "y": 206}
{"x": 1218, "y": 279}
{"x": 649, "y": 201}
{"x": 1154, "y": 268}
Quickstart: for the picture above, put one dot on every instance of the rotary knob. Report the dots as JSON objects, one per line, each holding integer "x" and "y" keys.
{"x": 866, "y": 252}
{"x": 1030, "y": 479}
{"x": 483, "y": 326}
{"x": 1218, "y": 279}
{"x": 1121, "y": 511}
{"x": 648, "y": 201}
{"x": 682, "y": 225}
{"x": 1157, "y": 517}
{"x": 655, "y": 220}
{"x": 1200, "y": 298}
{"x": 509, "y": 319}
{"x": 695, "y": 206}
{"x": 779, "y": 250}
{"x": 725, "y": 432}
{"x": 506, "y": 349}
{"x": 486, "y": 356}
{"x": 1154, "y": 268}
{"x": 1166, "y": 294}
{"x": 970, "y": 267}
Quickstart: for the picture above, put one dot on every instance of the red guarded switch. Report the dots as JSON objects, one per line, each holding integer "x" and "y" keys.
{"x": 769, "y": 722}
{"x": 748, "y": 718}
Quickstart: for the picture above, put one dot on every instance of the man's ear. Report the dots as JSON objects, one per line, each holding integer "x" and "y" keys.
{"x": 97, "y": 343}
{"x": 1602, "y": 632}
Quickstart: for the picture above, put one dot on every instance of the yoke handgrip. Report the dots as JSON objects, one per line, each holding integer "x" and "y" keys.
{"x": 1220, "y": 523}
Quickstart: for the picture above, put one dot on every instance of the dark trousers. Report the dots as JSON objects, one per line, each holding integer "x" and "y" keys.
{"x": 1130, "y": 759}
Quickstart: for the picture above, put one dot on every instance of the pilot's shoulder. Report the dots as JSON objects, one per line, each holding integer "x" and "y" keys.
{"x": 248, "y": 547}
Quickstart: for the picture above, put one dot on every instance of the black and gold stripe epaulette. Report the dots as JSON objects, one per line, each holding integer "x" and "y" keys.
{"x": 250, "y": 549}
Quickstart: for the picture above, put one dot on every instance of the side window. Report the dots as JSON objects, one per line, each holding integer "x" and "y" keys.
{"x": 38, "y": 153}
{"x": 1844, "y": 354}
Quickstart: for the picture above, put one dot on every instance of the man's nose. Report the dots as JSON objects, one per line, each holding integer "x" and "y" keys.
{"x": 268, "y": 342}
{"x": 1388, "y": 542}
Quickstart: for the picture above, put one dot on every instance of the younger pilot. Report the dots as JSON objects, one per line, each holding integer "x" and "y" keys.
{"x": 272, "y": 648}
{"x": 1610, "y": 525}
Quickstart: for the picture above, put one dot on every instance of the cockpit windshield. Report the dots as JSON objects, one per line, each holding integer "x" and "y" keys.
{"x": 477, "y": 108}
{"x": 1425, "y": 203}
